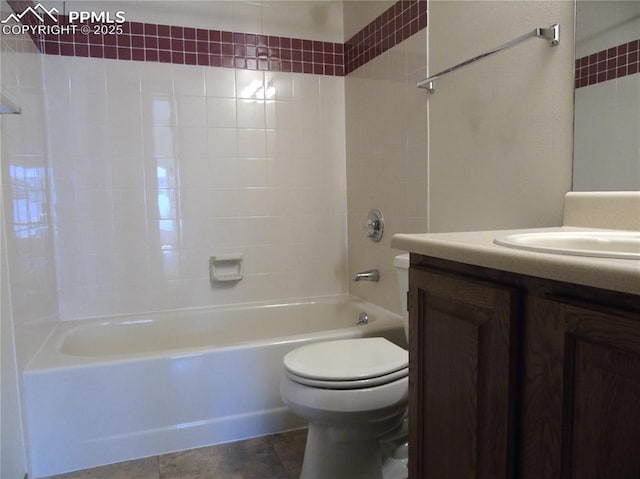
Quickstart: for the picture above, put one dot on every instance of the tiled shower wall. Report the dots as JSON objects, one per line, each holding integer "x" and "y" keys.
{"x": 156, "y": 167}
{"x": 31, "y": 293}
{"x": 25, "y": 183}
{"x": 386, "y": 119}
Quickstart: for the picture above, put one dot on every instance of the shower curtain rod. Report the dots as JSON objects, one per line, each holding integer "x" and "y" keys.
{"x": 552, "y": 34}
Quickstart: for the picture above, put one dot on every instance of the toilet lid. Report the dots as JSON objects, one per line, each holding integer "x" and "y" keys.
{"x": 347, "y": 360}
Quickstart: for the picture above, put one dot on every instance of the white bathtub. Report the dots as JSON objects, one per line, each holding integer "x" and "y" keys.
{"x": 108, "y": 390}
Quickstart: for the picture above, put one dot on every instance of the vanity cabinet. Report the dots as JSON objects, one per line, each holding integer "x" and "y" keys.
{"x": 581, "y": 391}
{"x": 520, "y": 377}
{"x": 462, "y": 376}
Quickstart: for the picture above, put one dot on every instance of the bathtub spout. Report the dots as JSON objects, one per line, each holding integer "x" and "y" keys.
{"x": 371, "y": 275}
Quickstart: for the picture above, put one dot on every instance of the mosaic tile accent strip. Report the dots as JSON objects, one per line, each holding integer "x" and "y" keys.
{"x": 398, "y": 23}
{"x": 194, "y": 46}
{"x": 615, "y": 62}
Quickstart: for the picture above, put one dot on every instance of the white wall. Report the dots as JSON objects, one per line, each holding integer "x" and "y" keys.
{"x": 500, "y": 131}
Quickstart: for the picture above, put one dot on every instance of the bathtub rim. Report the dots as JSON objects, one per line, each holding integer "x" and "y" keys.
{"x": 49, "y": 357}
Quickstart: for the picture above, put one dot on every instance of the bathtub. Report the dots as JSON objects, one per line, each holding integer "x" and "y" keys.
{"x": 108, "y": 390}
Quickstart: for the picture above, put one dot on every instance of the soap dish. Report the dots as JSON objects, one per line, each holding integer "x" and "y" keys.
{"x": 225, "y": 268}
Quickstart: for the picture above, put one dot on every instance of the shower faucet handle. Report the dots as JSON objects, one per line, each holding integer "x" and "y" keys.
{"x": 370, "y": 227}
{"x": 374, "y": 225}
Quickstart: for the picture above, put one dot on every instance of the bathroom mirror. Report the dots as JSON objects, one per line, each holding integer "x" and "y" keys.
{"x": 607, "y": 96}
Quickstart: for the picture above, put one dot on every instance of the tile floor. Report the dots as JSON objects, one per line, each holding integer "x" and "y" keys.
{"x": 278, "y": 456}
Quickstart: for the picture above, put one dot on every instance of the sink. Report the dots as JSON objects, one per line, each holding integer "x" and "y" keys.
{"x": 602, "y": 244}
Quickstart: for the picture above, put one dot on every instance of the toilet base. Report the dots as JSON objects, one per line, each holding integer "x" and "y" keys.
{"x": 326, "y": 457}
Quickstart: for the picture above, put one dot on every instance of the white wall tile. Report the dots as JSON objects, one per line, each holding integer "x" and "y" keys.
{"x": 251, "y": 114}
{"x": 188, "y": 80}
{"x": 199, "y": 166}
{"x": 126, "y": 172}
{"x": 250, "y": 84}
{"x": 252, "y": 143}
{"x": 378, "y": 165}
{"x": 221, "y": 112}
{"x": 191, "y": 111}
{"x": 220, "y": 82}
{"x": 224, "y": 174}
{"x": 279, "y": 85}
{"x": 192, "y": 142}
{"x": 158, "y": 141}
{"x": 157, "y": 78}
{"x": 222, "y": 142}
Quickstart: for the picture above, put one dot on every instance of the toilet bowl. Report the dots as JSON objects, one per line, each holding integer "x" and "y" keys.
{"x": 353, "y": 392}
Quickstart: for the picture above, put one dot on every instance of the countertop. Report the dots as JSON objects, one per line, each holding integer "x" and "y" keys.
{"x": 477, "y": 248}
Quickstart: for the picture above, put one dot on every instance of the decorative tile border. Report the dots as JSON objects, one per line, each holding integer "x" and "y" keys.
{"x": 615, "y": 62}
{"x": 398, "y": 23}
{"x": 195, "y": 46}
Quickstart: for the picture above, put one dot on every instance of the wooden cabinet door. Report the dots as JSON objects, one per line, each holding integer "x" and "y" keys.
{"x": 581, "y": 392}
{"x": 462, "y": 377}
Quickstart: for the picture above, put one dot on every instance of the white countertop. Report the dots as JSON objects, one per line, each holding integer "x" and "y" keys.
{"x": 477, "y": 248}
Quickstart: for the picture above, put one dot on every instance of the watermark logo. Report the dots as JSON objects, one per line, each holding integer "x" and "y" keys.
{"x": 38, "y": 11}
{"x": 84, "y": 22}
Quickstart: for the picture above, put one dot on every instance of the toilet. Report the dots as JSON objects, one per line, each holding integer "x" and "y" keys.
{"x": 353, "y": 393}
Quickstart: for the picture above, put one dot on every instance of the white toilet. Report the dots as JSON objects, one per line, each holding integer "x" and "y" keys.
{"x": 353, "y": 392}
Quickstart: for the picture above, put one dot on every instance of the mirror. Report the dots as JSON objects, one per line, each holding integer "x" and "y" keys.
{"x": 607, "y": 96}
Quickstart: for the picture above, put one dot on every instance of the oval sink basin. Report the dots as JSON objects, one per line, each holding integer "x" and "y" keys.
{"x": 602, "y": 244}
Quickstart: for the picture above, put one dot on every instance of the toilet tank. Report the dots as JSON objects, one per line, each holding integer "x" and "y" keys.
{"x": 401, "y": 262}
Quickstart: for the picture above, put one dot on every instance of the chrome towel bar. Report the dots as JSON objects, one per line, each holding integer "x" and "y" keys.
{"x": 552, "y": 34}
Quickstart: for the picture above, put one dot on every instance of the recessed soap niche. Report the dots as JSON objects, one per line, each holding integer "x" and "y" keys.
{"x": 224, "y": 268}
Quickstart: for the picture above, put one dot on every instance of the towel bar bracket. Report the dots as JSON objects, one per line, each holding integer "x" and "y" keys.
{"x": 552, "y": 34}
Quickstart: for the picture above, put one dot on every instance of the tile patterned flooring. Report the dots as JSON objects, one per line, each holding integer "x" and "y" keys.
{"x": 278, "y": 456}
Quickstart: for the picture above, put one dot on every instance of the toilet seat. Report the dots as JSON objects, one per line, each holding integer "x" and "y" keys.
{"x": 347, "y": 364}
{"x": 357, "y": 384}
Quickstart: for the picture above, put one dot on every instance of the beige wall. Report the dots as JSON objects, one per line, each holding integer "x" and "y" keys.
{"x": 357, "y": 14}
{"x": 492, "y": 148}
{"x": 309, "y": 19}
{"x": 501, "y": 129}
{"x": 386, "y": 130}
